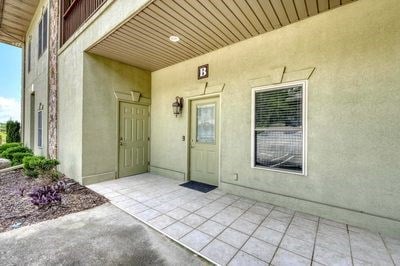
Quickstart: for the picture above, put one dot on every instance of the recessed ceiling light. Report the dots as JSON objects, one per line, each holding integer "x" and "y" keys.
{"x": 174, "y": 38}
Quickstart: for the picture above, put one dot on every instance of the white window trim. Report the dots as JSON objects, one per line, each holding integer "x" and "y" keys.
{"x": 304, "y": 84}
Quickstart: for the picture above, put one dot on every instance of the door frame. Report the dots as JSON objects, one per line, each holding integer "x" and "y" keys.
{"x": 189, "y": 101}
{"x": 145, "y": 102}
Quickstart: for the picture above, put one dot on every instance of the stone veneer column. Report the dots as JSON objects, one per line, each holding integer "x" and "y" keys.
{"x": 53, "y": 85}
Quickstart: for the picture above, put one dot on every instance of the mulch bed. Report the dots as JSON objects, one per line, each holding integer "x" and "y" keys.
{"x": 16, "y": 209}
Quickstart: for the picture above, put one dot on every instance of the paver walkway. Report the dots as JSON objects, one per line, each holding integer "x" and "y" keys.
{"x": 232, "y": 230}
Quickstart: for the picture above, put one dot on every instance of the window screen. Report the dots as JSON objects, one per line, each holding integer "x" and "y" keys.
{"x": 40, "y": 129}
{"x": 278, "y": 136}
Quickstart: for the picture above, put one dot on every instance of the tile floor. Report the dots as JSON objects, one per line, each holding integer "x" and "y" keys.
{"x": 232, "y": 230}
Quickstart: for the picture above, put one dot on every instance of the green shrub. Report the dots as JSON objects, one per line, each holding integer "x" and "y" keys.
{"x": 9, "y": 153}
{"x": 31, "y": 173}
{"x": 30, "y": 165}
{"x": 9, "y": 145}
{"x": 19, "y": 156}
{"x": 39, "y": 166}
{"x": 12, "y": 131}
{"x": 48, "y": 164}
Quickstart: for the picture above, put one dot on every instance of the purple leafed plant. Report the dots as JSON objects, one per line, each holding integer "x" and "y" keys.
{"x": 46, "y": 195}
{"x": 43, "y": 196}
{"x": 60, "y": 186}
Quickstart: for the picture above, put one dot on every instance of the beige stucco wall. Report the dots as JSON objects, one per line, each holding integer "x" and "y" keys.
{"x": 70, "y": 83}
{"x": 38, "y": 77}
{"x": 101, "y": 78}
{"x": 353, "y": 101}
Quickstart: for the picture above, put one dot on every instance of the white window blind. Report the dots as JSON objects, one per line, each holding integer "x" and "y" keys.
{"x": 42, "y": 34}
{"x": 29, "y": 55}
{"x": 40, "y": 129}
{"x": 45, "y": 18}
{"x": 278, "y": 128}
{"x": 40, "y": 39}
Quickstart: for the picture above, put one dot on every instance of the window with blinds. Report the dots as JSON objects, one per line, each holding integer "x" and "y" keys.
{"x": 40, "y": 38}
{"x": 40, "y": 129}
{"x": 29, "y": 55}
{"x": 278, "y": 131}
{"x": 42, "y": 34}
{"x": 45, "y": 25}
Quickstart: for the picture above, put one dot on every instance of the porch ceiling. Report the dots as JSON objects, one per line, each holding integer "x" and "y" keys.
{"x": 15, "y": 17}
{"x": 202, "y": 26}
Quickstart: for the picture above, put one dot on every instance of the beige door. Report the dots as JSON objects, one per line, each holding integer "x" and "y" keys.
{"x": 204, "y": 141}
{"x": 133, "y": 139}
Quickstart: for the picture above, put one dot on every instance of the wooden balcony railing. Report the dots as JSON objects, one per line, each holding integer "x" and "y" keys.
{"x": 74, "y": 13}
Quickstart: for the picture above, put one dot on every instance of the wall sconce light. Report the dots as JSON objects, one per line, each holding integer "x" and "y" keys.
{"x": 177, "y": 106}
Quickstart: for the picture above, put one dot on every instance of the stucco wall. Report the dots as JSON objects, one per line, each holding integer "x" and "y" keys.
{"x": 70, "y": 95}
{"x": 38, "y": 77}
{"x": 353, "y": 101}
{"x": 101, "y": 78}
{"x": 70, "y": 67}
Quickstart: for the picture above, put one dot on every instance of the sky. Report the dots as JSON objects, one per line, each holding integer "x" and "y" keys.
{"x": 10, "y": 82}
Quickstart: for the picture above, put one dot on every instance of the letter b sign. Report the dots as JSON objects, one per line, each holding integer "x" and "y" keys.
{"x": 202, "y": 72}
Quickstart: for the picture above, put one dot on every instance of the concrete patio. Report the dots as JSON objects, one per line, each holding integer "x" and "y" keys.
{"x": 104, "y": 235}
{"x": 231, "y": 230}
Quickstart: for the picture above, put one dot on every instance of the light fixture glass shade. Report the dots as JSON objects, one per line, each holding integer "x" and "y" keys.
{"x": 177, "y": 106}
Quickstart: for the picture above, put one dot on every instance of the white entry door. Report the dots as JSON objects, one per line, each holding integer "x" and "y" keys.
{"x": 204, "y": 141}
{"x": 133, "y": 139}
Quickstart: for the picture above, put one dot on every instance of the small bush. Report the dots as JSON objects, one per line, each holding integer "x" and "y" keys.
{"x": 9, "y": 145}
{"x": 9, "y": 153}
{"x": 39, "y": 166}
{"x": 31, "y": 173}
{"x": 19, "y": 156}
{"x": 47, "y": 195}
{"x": 31, "y": 165}
{"x": 48, "y": 164}
{"x": 44, "y": 196}
{"x": 13, "y": 131}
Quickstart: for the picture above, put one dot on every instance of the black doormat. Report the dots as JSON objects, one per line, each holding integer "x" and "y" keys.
{"x": 198, "y": 186}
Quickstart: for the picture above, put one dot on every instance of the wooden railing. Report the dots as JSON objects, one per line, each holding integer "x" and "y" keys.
{"x": 74, "y": 13}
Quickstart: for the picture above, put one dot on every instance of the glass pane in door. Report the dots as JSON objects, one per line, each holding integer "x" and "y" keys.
{"x": 205, "y": 120}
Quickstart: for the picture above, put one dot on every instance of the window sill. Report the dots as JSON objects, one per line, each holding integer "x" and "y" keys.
{"x": 279, "y": 171}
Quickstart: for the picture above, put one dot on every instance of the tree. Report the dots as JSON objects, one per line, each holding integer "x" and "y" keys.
{"x": 12, "y": 130}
